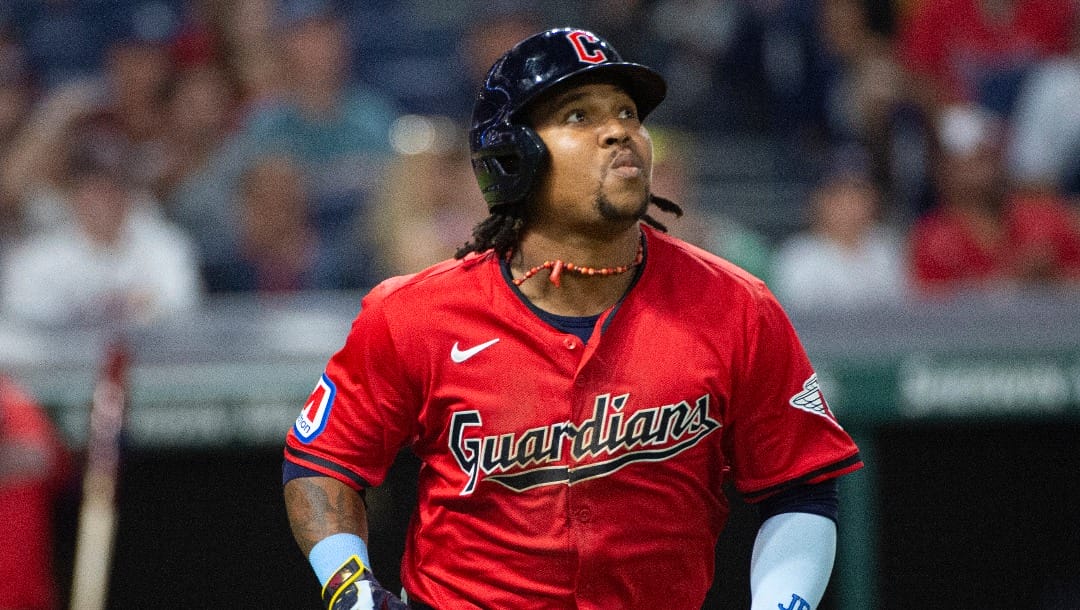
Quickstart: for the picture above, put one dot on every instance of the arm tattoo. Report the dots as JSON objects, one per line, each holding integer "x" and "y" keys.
{"x": 321, "y": 506}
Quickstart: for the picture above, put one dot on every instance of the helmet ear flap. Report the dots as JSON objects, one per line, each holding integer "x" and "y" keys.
{"x": 508, "y": 163}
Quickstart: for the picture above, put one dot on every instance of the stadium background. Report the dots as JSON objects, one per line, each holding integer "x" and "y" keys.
{"x": 966, "y": 408}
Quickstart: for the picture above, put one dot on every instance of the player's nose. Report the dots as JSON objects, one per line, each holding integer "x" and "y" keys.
{"x": 613, "y": 132}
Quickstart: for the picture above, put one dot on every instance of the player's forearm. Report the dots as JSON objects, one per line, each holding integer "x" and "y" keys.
{"x": 792, "y": 561}
{"x": 319, "y": 507}
{"x": 328, "y": 516}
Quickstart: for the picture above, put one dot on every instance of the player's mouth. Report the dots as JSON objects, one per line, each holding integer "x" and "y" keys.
{"x": 626, "y": 164}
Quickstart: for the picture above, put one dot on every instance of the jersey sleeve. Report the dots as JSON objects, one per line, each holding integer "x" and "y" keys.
{"x": 780, "y": 430}
{"x": 362, "y": 410}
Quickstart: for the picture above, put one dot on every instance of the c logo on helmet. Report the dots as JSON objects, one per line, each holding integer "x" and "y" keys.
{"x": 592, "y": 57}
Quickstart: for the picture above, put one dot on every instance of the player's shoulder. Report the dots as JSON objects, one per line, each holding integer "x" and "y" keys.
{"x": 708, "y": 289}
{"x": 691, "y": 266}
{"x": 436, "y": 282}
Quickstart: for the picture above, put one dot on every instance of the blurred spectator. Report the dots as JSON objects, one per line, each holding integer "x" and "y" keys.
{"x": 137, "y": 73}
{"x": 430, "y": 201}
{"x": 848, "y": 257}
{"x": 277, "y": 249}
{"x": 1044, "y": 145}
{"x": 33, "y": 465}
{"x": 32, "y": 168}
{"x": 867, "y": 81}
{"x": 203, "y": 204}
{"x": 712, "y": 60}
{"x": 202, "y": 111}
{"x": 799, "y": 69}
{"x": 482, "y": 42}
{"x": 867, "y": 100}
{"x": 338, "y": 132}
{"x": 977, "y": 51}
{"x": 676, "y": 176}
{"x": 251, "y": 49}
{"x": 16, "y": 92}
{"x": 16, "y": 99}
{"x": 130, "y": 83}
{"x": 983, "y": 234}
{"x": 335, "y": 130}
{"x": 113, "y": 256}
{"x": 429, "y": 56}
{"x": 199, "y": 37}
{"x": 202, "y": 192}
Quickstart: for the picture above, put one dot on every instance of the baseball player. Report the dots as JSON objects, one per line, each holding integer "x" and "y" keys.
{"x": 577, "y": 384}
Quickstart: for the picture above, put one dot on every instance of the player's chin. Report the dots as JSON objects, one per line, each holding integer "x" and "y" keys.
{"x": 623, "y": 204}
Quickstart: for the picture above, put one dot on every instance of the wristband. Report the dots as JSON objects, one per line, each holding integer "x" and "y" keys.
{"x": 339, "y": 590}
{"x": 330, "y": 553}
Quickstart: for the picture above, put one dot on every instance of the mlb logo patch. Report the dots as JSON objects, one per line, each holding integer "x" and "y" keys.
{"x": 316, "y": 411}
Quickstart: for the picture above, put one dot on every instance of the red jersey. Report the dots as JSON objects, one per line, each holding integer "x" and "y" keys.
{"x": 26, "y": 504}
{"x": 558, "y": 474}
{"x": 1039, "y": 240}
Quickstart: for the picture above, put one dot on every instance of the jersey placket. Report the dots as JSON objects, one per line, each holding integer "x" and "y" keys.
{"x": 581, "y": 511}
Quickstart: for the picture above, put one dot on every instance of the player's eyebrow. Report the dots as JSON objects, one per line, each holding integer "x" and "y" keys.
{"x": 561, "y": 101}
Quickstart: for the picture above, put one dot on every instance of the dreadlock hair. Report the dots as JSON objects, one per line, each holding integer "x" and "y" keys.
{"x": 665, "y": 205}
{"x": 501, "y": 230}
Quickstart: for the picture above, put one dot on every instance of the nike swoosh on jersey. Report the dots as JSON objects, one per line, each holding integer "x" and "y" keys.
{"x": 459, "y": 355}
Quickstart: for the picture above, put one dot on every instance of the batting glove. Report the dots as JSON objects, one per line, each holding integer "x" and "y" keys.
{"x": 353, "y": 587}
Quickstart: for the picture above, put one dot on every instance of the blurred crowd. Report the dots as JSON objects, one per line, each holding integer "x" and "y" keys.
{"x": 154, "y": 153}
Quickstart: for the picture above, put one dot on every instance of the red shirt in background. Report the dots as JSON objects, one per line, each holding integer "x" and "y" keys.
{"x": 956, "y": 45}
{"x": 1039, "y": 238}
{"x": 26, "y": 497}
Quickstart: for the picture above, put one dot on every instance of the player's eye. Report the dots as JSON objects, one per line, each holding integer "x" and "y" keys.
{"x": 628, "y": 113}
{"x": 575, "y": 116}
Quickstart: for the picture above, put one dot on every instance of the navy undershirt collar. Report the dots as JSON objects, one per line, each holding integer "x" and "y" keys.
{"x": 579, "y": 326}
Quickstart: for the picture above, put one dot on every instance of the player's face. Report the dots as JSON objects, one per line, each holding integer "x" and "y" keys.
{"x": 600, "y": 157}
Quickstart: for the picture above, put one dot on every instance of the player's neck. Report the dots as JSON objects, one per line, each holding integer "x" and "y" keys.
{"x": 576, "y": 294}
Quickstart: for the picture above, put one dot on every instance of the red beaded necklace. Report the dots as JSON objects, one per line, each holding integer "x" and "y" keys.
{"x": 557, "y": 266}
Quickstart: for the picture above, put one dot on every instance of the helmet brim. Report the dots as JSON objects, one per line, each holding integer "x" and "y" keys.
{"x": 643, "y": 84}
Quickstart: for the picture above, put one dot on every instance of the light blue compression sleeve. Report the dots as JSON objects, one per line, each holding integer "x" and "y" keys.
{"x": 329, "y": 553}
{"x": 792, "y": 561}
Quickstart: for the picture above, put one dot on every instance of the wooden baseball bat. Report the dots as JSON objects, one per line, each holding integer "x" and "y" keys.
{"x": 97, "y": 511}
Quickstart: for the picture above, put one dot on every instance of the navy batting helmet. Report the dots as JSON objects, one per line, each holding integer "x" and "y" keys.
{"x": 508, "y": 155}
